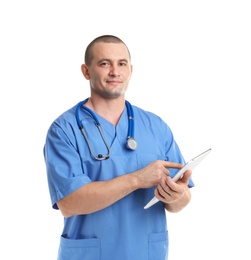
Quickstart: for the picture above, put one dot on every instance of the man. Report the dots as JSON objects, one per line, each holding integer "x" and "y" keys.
{"x": 105, "y": 160}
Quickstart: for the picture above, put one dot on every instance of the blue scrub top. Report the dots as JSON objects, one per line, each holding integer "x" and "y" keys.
{"x": 124, "y": 230}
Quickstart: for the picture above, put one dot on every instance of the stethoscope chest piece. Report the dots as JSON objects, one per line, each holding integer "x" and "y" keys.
{"x": 131, "y": 143}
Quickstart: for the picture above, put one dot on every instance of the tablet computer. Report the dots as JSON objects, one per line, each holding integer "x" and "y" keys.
{"x": 190, "y": 165}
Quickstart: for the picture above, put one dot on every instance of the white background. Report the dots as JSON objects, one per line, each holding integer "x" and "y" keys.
{"x": 192, "y": 64}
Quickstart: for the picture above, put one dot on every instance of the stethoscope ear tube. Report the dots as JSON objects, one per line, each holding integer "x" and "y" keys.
{"x": 100, "y": 157}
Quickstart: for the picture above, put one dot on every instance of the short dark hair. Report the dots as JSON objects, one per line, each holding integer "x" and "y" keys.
{"x": 102, "y": 38}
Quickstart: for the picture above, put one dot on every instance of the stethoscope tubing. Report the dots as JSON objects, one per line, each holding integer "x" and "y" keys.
{"x": 131, "y": 120}
{"x": 131, "y": 143}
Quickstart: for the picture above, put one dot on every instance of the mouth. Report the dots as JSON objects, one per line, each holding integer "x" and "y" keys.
{"x": 114, "y": 82}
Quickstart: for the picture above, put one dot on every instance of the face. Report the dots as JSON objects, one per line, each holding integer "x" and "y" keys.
{"x": 110, "y": 71}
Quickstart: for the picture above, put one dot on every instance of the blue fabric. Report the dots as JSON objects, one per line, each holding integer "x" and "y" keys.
{"x": 125, "y": 230}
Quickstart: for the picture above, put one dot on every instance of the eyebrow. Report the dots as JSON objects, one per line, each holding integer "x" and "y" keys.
{"x": 121, "y": 60}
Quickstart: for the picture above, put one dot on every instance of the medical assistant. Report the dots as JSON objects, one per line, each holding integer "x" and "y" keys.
{"x": 124, "y": 230}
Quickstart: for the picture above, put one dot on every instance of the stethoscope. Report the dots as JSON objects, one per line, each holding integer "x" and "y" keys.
{"x": 131, "y": 143}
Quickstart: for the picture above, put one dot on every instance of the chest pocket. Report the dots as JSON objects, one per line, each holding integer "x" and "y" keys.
{"x": 147, "y": 158}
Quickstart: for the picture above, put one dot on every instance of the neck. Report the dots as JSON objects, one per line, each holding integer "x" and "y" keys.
{"x": 110, "y": 109}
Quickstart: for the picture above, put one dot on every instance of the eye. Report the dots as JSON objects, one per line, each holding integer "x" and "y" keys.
{"x": 104, "y": 63}
{"x": 122, "y": 64}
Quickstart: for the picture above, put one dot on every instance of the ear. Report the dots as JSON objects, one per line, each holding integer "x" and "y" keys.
{"x": 131, "y": 71}
{"x": 85, "y": 71}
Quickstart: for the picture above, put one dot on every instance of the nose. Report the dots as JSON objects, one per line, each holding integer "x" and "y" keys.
{"x": 114, "y": 71}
